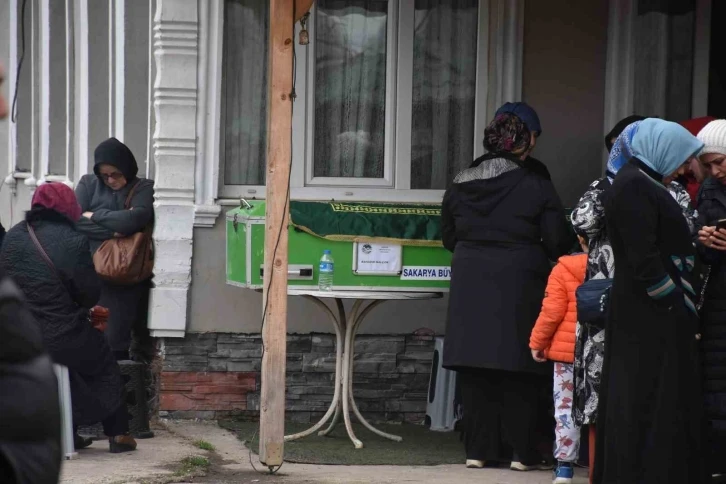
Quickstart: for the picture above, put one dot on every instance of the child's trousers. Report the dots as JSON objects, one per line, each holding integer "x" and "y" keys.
{"x": 567, "y": 434}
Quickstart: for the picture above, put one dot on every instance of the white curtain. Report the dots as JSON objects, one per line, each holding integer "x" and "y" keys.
{"x": 350, "y": 88}
{"x": 663, "y": 68}
{"x": 244, "y": 92}
{"x": 444, "y": 89}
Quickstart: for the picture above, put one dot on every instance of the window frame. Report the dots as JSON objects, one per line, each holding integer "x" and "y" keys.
{"x": 395, "y": 186}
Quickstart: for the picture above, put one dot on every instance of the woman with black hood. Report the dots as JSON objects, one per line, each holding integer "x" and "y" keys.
{"x": 504, "y": 222}
{"x": 102, "y": 197}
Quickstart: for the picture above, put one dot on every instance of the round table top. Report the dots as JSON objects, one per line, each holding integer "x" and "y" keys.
{"x": 351, "y": 294}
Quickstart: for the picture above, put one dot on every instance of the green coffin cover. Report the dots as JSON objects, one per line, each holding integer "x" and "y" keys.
{"x": 415, "y": 224}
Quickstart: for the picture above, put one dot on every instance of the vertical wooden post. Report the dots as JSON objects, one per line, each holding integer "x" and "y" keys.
{"x": 274, "y": 333}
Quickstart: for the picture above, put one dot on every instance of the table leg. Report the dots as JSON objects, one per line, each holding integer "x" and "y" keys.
{"x": 338, "y": 376}
{"x": 348, "y": 370}
{"x": 338, "y": 392}
{"x": 352, "y": 328}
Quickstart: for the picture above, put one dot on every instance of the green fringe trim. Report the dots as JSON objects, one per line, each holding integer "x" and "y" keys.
{"x": 372, "y": 240}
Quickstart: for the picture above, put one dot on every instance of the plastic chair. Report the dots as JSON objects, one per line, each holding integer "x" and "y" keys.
{"x": 64, "y": 394}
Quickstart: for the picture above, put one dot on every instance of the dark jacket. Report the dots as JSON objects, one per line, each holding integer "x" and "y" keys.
{"x": 109, "y": 213}
{"x": 712, "y": 208}
{"x": 649, "y": 428}
{"x": 30, "y": 447}
{"x": 61, "y": 308}
{"x": 504, "y": 222}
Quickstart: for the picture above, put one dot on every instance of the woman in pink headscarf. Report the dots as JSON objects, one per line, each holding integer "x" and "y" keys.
{"x": 51, "y": 263}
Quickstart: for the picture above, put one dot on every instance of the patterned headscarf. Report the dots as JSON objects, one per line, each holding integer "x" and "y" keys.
{"x": 619, "y": 128}
{"x": 664, "y": 146}
{"x": 507, "y": 133}
{"x": 622, "y": 150}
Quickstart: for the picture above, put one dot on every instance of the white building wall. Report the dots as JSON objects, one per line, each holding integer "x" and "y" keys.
{"x": 85, "y": 76}
{"x": 148, "y": 72}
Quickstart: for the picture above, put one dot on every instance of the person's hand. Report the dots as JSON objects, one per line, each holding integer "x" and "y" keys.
{"x": 538, "y": 356}
{"x": 713, "y": 238}
{"x": 704, "y": 234}
{"x": 88, "y": 215}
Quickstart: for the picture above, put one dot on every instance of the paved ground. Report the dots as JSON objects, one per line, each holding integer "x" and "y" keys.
{"x": 154, "y": 457}
{"x": 158, "y": 459}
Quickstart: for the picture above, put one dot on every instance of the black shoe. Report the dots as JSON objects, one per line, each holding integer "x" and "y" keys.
{"x": 81, "y": 442}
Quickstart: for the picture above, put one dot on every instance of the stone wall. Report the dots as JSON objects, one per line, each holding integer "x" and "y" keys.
{"x": 212, "y": 375}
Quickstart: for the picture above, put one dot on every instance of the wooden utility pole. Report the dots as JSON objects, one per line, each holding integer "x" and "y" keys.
{"x": 279, "y": 149}
{"x": 279, "y": 155}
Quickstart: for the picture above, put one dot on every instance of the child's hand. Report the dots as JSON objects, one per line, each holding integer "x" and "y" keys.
{"x": 538, "y": 356}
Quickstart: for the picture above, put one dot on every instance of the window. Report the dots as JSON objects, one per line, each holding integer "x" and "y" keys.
{"x": 387, "y": 98}
{"x": 243, "y": 139}
{"x": 444, "y": 91}
{"x": 350, "y": 90}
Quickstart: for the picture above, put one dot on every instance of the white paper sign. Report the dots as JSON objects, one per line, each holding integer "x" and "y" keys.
{"x": 426, "y": 273}
{"x": 377, "y": 259}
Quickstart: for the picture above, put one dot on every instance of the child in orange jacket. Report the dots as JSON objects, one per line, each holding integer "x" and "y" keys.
{"x": 553, "y": 338}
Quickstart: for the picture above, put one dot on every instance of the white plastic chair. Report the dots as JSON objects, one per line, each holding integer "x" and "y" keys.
{"x": 64, "y": 394}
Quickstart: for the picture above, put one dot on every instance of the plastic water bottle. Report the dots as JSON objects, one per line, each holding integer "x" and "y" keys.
{"x": 327, "y": 265}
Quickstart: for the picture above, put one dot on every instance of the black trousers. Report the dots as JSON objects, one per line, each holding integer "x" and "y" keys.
{"x": 129, "y": 308}
{"x": 502, "y": 415}
{"x": 115, "y": 424}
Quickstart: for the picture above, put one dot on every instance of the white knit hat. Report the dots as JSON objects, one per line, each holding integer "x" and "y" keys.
{"x": 713, "y": 136}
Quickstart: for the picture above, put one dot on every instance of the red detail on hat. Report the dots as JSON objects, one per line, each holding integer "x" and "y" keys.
{"x": 697, "y": 124}
{"x": 58, "y": 197}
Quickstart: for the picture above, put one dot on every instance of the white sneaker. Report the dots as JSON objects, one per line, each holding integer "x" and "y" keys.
{"x": 518, "y": 466}
{"x": 474, "y": 464}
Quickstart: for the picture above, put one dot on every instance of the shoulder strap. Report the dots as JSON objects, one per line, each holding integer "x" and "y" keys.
{"x": 127, "y": 203}
{"x": 42, "y": 251}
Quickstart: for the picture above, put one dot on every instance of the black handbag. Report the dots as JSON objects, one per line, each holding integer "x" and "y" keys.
{"x": 593, "y": 299}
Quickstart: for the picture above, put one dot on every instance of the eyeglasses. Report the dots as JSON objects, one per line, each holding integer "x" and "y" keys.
{"x": 112, "y": 176}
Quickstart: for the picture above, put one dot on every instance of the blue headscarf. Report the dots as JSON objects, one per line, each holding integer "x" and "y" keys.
{"x": 663, "y": 145}
{"x": 622, "y": 150}
{"x": 524, "y": 112}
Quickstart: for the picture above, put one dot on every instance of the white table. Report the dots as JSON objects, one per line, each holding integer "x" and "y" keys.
{"x": 345, "y": 332}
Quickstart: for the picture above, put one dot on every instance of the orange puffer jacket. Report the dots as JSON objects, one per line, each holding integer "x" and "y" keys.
{"x": 554, "y": 331}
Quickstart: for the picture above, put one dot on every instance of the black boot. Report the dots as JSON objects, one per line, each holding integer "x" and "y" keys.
{"x": 81, "y": 442}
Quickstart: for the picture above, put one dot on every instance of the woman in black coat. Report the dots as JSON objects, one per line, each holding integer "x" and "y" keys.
{"x": 650, "y": 418}
{"x": 60, "y": 291}
{"x": 712, "y": 248}
{"x": 30, "y": 423}
{"x": 504, "y": 222}
{"x": 103, "y": 198}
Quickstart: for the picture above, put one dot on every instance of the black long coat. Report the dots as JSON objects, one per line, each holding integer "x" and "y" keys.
{"x": 650, "y": 422}
{"x": 711, "y": 209}
{"x": 61, "y": 310}
{"x": 503, "y": 222}
{"x": 30, "y": 441}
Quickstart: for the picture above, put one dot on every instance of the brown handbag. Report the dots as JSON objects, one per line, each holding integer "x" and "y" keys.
{"x": 127, "y": 260}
